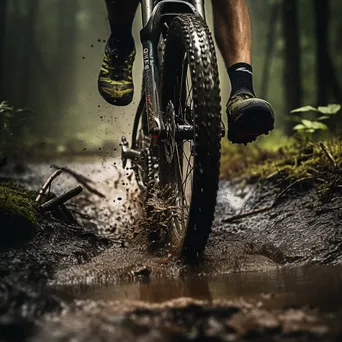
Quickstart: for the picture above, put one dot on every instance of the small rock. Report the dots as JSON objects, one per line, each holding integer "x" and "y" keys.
{"x": 117, "y": 319}
{"x": 142, "y": 271}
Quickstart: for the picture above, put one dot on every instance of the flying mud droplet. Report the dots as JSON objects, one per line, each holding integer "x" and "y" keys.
{"x": 115, "y": 215}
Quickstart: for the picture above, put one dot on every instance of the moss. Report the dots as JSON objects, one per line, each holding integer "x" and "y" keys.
{"x": 286, "y": 163}
{"x": 238, "y": 160}
{"x": 18, "y": 212}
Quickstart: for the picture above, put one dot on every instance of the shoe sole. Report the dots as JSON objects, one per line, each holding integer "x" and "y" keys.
{"x": 250, "y": 124}
{"x": 124, "y": 100}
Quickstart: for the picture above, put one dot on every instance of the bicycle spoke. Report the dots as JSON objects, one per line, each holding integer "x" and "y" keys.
{"x": 187, "y": 173}
{"x": 182, "y": 98}
{"x": 182, "y": 188}
{"x": 180, "y": 174}
{"x": 187, "y": 159}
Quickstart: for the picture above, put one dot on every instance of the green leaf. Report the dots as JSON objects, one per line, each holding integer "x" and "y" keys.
{"x": 319, "y": 125}
{"x": 324, "y": 117}
{"x": 304, "y": 109}
{"x": 330, "y": 109}
{"x": 299, "y": 127}
{"x": 307, "y": 123}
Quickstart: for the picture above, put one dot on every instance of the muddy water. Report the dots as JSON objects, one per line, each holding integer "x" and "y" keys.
{"x": 315, "y": 287}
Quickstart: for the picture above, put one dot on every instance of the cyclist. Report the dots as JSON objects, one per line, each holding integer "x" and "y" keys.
{"x": 232, "y": 28}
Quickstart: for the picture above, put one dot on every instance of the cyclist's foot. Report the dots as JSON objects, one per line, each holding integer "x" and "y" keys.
{"x": 115, "y": 81}
{"x": 248, "y": 117}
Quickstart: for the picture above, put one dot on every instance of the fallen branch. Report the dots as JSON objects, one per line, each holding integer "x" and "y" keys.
{"x": 262, "y": 210}
{"x": 248, "y": 213}
{"x": 298, "y": 181}
{"x": 57, "y": 201}
{"x": 328, "y": 154}
{"x": 47, "y": 184}
{"x": 82, "y": 180}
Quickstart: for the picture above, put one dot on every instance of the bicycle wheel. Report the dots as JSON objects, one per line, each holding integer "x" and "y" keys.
{"x": 190, "y": 156}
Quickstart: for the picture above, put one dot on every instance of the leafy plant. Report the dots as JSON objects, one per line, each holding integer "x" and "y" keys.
{"x": 307, "y": 127}
{"x": 9, "y": 114}
{"x": 11, "y": 122}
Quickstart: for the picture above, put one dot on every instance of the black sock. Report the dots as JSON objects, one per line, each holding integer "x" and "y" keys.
{"x": 121, "y": 38}
{"x": 241, "y": 77}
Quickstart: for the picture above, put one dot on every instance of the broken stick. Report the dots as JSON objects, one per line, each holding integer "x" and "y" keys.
{"x": 43, "y": 189}
{"x": 82, "y": 180}
{"x": 57, "y": 201}
{"x": 328, "y": 154}
{"x": 246, "y": 214}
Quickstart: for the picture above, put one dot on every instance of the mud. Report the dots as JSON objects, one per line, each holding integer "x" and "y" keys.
{"x": 43, "y": 283}
{"x": 183, "y": 320}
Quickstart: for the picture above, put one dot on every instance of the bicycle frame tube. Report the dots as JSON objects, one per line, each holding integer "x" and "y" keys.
{"x": 199, "y": 5}
{"x": 147, "y": 8}
{"x": 150, "y": 35}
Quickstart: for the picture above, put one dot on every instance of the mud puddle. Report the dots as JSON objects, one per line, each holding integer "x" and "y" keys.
{"x": 287, "y": 304}
{"x": 315, "y": 287}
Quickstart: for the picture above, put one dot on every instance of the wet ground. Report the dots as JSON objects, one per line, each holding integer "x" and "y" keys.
{"x": 266, "y": 276}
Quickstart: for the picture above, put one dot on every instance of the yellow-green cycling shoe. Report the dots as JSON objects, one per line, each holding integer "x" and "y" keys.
{"x": 115, "y": 80}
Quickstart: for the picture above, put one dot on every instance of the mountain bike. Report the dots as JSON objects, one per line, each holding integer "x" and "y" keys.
{"x": 175, "y": 148}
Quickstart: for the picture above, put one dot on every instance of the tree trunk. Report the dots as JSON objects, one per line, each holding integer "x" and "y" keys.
{"x": 292, "y": 58}
{"x": 3, "y": 8}
{"x": 272, "y": 24}
{"x": 26, "y": 62}
{"x": 66, "y": 52}
{"x": 322, "y": 50}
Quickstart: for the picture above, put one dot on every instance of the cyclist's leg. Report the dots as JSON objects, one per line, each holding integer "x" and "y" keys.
{"x": 234, "y": 38}
{"x": 115, "y": 79}
{"x": 233, "y": 31}
{"x": 121, "y": 12}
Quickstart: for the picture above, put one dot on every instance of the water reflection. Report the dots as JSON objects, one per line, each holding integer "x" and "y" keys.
{"x": 319, "y": 287}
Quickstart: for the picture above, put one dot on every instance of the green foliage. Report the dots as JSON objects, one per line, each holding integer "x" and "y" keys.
{"x": 306, "y": 127}
{"x": 329, "y": 109}
{"x": 285, "y": 160}
{"x": 304, "y": 161}
{"x": 237, "y": 160}
{"x": 12, "y": 125}
{"x": 9, "y": 114}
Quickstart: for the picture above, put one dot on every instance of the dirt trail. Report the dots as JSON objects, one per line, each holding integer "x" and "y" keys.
{"x": 301, "y": 229}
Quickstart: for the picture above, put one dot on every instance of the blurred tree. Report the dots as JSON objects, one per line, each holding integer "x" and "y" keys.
{"x": 327, "y": 82}
{"x": 271, "y": 41}
{"x": 3, "y": 11}
{"x": 65, "y": 54}
{"x": 292, "y": 57}
{"x": 28, "y": 24}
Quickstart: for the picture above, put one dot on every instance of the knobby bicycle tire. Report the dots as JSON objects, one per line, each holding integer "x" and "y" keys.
{"x": 189, "y": 42}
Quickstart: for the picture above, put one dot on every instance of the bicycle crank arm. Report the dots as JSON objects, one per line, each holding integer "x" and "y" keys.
{"x": 127, "y": 153}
